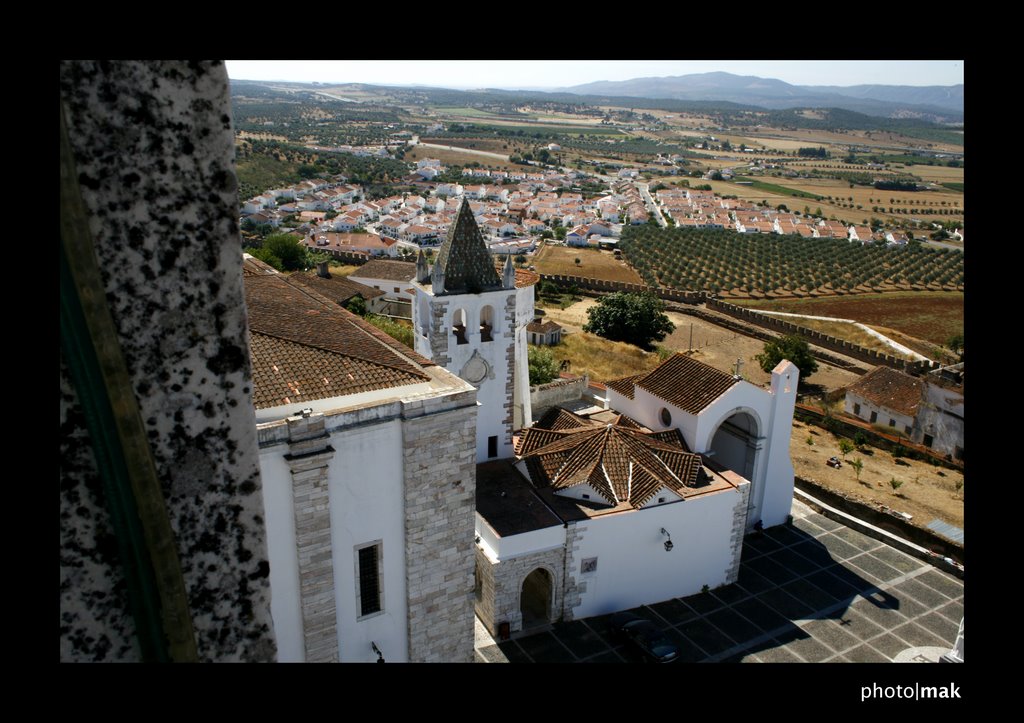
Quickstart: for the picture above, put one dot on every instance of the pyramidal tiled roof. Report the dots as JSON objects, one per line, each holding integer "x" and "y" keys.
{"x": 464, "y": 258}
{"x": 621, "y": 461}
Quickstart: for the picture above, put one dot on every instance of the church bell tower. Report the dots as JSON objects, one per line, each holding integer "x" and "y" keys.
{"x": 471, "y": 320}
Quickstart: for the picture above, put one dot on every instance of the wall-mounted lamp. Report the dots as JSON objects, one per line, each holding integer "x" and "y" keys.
{"x": 668, "y": 541}
{"x": 380, "y": 655}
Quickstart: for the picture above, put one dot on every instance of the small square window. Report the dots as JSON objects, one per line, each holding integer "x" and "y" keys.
{"x": 856, "y": 409}
{"x": 874, "y": 417}
{"x": 892, "y": 422}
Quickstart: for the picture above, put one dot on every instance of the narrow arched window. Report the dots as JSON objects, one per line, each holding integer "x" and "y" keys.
{"x": 487, "y": 324}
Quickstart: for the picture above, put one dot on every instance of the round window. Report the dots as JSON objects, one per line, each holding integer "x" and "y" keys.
{"x": 666, "y": 417}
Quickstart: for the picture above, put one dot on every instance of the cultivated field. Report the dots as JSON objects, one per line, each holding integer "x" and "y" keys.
{"x": 594, "y": 264}
{"x": 932, "y": 316}
{"x": 725, "y": 261}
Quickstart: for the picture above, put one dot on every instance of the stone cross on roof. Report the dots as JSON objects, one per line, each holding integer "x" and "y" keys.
{"x": 464, "y": 261}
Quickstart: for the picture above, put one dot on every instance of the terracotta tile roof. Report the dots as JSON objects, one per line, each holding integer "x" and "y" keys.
{"x": 543, "y": 328}
{"x": 338, "y": 289}
{"x": 390, "y": 270}
{"x": 559, "y": 419}
{"x": 620, "y": 461}
{"x": 623, "y": 386}
{"x": 305, "y": 347}
{"x": 523, "y": 277}
{"x": 687, "y": 383}
{"x": 467, "y": 264}
{"x": 890, "y": 389}
{"x": 252, "y": 266}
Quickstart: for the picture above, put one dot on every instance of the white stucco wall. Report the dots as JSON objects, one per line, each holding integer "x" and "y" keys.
{"x": 883, "y": 415}
{"x": 770, "y": 471}
{"x": 942, "y": 416}
{"x": 366, "y": 494}
{"x": 387, "y": 285}
{"x": 491, "y": 391}
{"x": 500, "y": 549}
{"x": 633, "y": 567}
{"x": 285, "y": 607}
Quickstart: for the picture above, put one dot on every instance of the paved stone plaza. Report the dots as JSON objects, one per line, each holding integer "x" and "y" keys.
{"x": 814, "y": 592}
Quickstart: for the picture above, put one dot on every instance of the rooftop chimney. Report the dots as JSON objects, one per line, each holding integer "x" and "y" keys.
{"x": 321, "y": 270}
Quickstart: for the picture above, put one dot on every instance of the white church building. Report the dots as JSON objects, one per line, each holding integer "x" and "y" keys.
{"x": 368, "y": 462}
{"x": 405, "y": 490}
{"x": 636, "y": 501}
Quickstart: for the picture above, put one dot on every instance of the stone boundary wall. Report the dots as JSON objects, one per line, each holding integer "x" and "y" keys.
{"x": 882, "y": 520}
{"x": 545, "y": 396}
{"x": 847, "y": 427}
{"x": 749, "y": 328}
{"x": 856, "y": 351}
{"x": 353, "y": 257}
{"x": 850, "y": 349}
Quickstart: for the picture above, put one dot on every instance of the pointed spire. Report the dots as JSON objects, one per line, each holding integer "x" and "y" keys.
{"x": 422, "y": 272}
{"x": 508, "y": 276}
{"x": 465, "y": 262}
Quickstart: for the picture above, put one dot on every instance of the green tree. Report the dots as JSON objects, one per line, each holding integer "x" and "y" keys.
{"x": 858, "y": 466}
{"x": 792, "y": 348}
{"x": 633, "y": 318}
{"x": 845, "y": 446}
{"x": 284, "y": 249}
{"x": 956, "y": 343}
{"x": 542, "y": 363}
{"x": 357, "y": 305}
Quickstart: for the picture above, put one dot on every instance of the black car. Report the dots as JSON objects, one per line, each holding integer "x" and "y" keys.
{"x": 645, "y": 637}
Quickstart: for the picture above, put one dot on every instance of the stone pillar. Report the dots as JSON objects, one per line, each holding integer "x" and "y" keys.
{"x": 440, "y": 506}
{"x": 575, "y": 585}
{"x": 154, "y": 153}
{"x": 309, "y": 454}
{"x": 739, "y": 528}
{"x": 510, "y": 367}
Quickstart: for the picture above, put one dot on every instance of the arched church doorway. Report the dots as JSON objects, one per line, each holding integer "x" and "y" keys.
{"x": 735, "y": 444}
{"x": 535, "y": 600}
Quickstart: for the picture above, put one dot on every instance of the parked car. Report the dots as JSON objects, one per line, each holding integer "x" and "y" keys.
{"x": 644, "y": 635}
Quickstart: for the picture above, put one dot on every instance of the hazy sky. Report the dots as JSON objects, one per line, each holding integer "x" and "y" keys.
{"x": 561, "y": 73}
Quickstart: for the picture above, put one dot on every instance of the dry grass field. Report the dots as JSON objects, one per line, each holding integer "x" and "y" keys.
{"x": 594, "y": 264}
{"x": 714, "y": 345}
{"x": 455, "y": 157}
{"x": 602, "y": 359}
{"x": 927, "y": 492}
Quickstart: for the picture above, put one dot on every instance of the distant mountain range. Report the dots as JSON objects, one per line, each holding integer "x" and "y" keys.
{"x": 940, "y": 104}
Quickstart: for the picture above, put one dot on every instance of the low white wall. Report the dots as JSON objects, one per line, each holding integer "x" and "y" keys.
{"x": 633, "y": 567}
{"x": 503, "y": 548}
